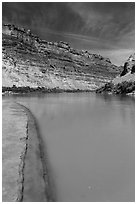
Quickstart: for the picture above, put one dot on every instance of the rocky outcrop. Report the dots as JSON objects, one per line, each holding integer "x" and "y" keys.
{"x": 31, "y": 62}
{"x": 125, "y": 82}
{"x": 125, "y": 87}
{"x": 129, "y": 65}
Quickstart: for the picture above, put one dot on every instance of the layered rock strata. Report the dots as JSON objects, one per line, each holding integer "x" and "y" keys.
{"x": 31, "y": 62}
{"x": 125, "y": 82}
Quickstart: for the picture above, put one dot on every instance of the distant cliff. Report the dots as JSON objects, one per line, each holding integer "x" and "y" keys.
{"x": 125, "y": 82}
{"x": 31, "y": 62}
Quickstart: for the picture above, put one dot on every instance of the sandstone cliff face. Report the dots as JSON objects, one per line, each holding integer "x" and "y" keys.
{"x": 125, "y": 82}
{"x": 129, "y": 65}
{"x": 128, "y": 73}
{"x": 30, "y": 61}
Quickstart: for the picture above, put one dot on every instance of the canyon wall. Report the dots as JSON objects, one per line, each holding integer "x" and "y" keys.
{"x": 33, "y": 62}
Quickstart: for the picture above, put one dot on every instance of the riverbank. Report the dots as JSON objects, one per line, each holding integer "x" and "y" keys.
{"x": 36, "y": 183}
{"x": 124, "y": 88}
{"x": 27, "y": 89}
{"x": 31, "y": 179}
{"x": 14, "y": 138}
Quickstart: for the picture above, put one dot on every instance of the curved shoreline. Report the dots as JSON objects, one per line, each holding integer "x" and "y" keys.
{"x": 34, "y": 181}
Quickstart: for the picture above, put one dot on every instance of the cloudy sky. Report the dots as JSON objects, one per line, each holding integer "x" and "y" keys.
{"x": 106, "y": 28}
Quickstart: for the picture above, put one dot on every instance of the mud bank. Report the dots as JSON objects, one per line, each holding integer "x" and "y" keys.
{"x": 33, "y": 172}
{"x": 14, "y": 123}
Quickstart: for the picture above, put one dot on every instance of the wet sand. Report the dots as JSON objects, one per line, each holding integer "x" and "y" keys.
{"x": 14, "y": 123}
{"x": 30, "y": 181}
{"x": 36, "y": 178}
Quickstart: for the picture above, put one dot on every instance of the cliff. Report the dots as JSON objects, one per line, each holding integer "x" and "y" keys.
{"x": 125, "y": 82}
{"x": 31, "y": 62}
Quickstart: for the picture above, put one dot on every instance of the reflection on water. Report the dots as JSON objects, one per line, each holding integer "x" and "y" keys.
{"x": 90, "y": 144}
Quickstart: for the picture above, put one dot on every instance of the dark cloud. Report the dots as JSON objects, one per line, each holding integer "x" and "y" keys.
{"x": 95, "y": 26}
{"x": 55, "y": 16}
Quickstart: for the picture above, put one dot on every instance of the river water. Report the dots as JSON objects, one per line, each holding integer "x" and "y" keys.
{"x": 90, "y": 143}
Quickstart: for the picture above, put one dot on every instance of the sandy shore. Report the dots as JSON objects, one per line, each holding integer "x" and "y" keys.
{"x": 14, "y": 136}
{"x": 31, "y": 179}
